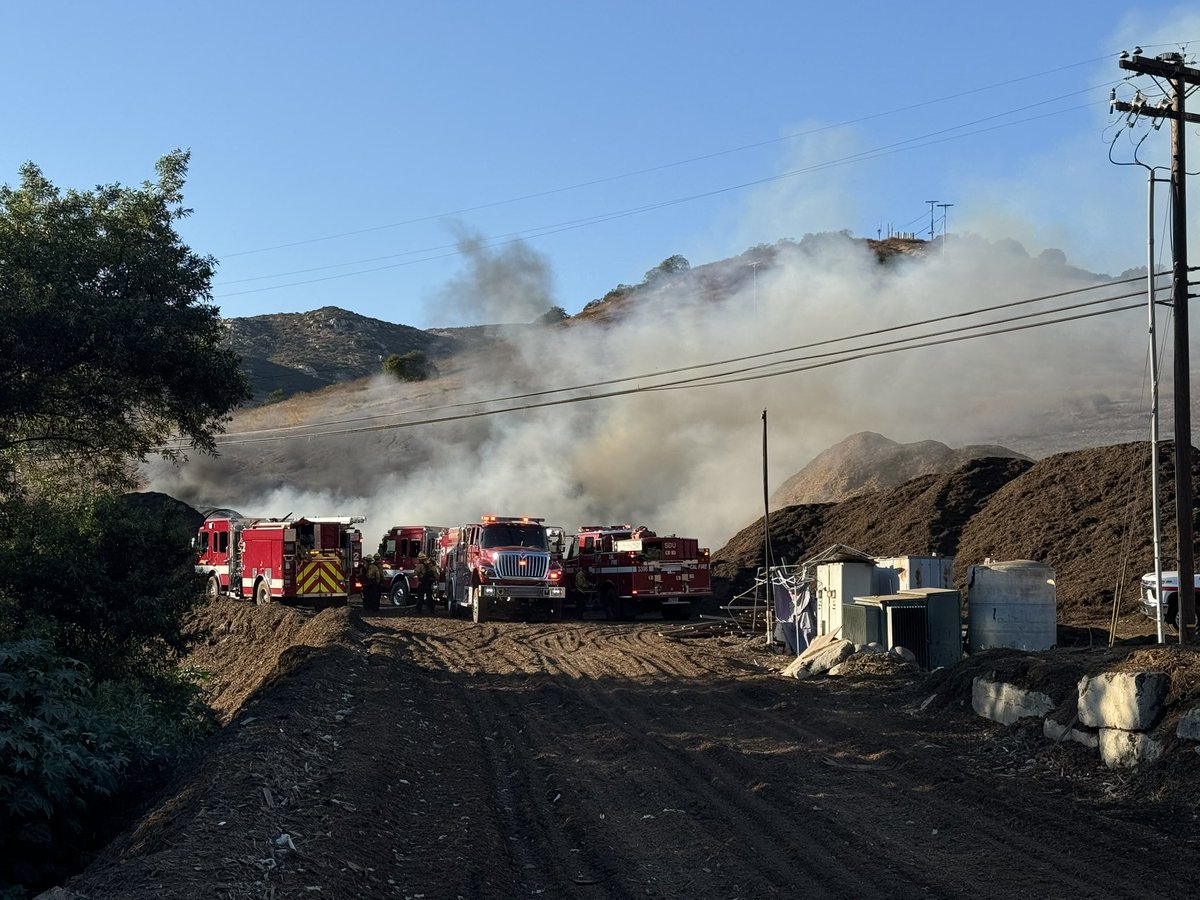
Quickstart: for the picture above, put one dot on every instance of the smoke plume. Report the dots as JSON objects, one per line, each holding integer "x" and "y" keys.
{"x": 688, "y": 459}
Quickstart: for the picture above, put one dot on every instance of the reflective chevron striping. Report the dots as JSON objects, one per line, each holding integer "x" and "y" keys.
{"x": 320, "y": 577}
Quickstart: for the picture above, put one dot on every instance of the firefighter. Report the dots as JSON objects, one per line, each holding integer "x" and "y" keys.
{"x": 426, "y": 571}
{"x": 372, "y": 584}
{"x": 583, "y": 581}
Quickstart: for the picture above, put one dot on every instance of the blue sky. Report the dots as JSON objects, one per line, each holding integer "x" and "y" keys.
{"x": 346, "y": 154}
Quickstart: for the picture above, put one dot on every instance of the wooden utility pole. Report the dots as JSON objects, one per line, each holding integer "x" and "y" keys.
{"x": 1170, "y": 67}
{"x": 768, "y": 562}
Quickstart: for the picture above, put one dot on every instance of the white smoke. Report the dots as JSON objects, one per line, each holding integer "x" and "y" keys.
{"x": 687, "y": 460}
{"x": 502, "y": 284}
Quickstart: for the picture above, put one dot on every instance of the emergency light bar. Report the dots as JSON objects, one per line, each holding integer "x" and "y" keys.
{"x": 523, "y": 520}
{"x": 606, "y": 528}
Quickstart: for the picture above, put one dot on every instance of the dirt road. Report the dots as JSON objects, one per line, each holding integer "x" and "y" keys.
{"x": 436, "y": 758}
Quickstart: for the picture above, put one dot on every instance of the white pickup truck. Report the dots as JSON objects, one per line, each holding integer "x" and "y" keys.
{"x": 1170, "y": 585}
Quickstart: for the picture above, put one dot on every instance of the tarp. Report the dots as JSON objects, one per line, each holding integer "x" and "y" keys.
{"x": 795, "y": 623}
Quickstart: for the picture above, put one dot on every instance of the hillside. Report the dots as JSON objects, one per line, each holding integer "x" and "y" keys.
{"x": 871, "y": 462}
{"x": 288, "y": 353}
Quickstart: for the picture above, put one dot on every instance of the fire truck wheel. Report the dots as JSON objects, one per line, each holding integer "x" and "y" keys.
{"x": 262, "y": 593}
{"x": 399, "y": 593}
{"x": 212, "y": 587}
{"x": 476, "y": 605}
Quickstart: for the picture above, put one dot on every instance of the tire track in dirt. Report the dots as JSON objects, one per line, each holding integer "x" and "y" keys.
{"x": 651, "y": 726}
{"x": 729, "y": 806}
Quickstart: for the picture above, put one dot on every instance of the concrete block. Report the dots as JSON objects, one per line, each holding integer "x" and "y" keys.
{"x": 904, "y": 653}
{"x": 1122, "y": 749}
{"x": 1189, "y": 725}
{"x": 828, "y": 657}
{"x": 1006, "y": 703}
{"x": 1130, "y": 701}
{"x": 1058, "y": 732}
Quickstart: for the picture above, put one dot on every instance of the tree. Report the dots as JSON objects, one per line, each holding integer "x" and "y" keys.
{"x": 110, "y": 350}
{"x": 411, "y": 366}
{"x": 672, "y": 265}
{"x": 552, "y": 316}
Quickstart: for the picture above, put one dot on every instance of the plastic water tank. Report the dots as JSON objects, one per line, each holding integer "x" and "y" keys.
{"x": 1011, "y": 604}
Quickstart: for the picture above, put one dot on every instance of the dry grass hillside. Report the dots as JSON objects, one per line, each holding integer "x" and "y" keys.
{"x": 289, "y": 353}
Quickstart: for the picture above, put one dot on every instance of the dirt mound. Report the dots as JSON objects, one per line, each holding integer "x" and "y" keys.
{"x": 924, "y": 516}
{"x": 867, "y": 462}
{"x": 242, "y": 649}
{"x": 1087, "y": 514}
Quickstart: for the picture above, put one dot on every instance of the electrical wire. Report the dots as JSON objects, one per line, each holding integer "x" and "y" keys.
{"x": 664, "y": 166}
{"x": 731, "y": 361}
{"x": 884, "y": 348}
{"x": 445, "y": 251}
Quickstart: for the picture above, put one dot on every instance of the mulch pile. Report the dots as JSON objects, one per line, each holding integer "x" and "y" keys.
{"x": 242, "y": 649}
{"x": 1086, "y": 513}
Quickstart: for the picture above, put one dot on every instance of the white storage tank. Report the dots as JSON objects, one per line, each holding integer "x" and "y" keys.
{"x": 1011, "y": 604}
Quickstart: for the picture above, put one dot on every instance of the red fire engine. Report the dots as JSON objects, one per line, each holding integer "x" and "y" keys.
{"x": 500, "y": 564}
{"x": 632, "y": 571}
{"x": 310, "y": 560}
{"x": 398, "y": 553}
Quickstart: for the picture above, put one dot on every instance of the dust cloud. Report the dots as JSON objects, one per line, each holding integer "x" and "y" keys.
{"x": 687, "y": 459}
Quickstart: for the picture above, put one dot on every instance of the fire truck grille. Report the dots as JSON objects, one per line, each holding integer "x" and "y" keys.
{"x": 518, "y": 564}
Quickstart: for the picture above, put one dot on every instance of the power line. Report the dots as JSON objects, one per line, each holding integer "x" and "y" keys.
{"x": 658, "y": 168}
{"x": 882, "y": 348}
{"x": 914, "y": 143}
{"x": 731, "y": 361}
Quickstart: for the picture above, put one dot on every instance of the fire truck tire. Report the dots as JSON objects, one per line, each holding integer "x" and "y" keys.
{"x": 476, "y": 605}
{"x": 399, "y": 593}
{"x": 212, "y": 587}
{"x": 262, "y": 593}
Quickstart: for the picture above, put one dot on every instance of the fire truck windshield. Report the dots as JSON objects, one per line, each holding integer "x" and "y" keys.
{"x": 532, "y": 536}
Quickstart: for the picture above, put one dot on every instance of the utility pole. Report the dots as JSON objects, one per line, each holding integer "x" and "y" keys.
{"x": 754, "y": 265}
{"x": 1170, "y": 67}
{"x": 932, "y": 204}
{"x": 945, "y": 224}
{"x": 768, "y": 562}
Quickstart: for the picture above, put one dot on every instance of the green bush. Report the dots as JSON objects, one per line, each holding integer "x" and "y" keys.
{"x": 106, "y": 583}
{"x": 58, "y": 756}
{"x": 411, "y": 366}
{"x": 76, "y": 756}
